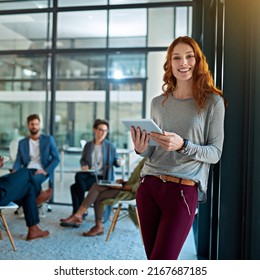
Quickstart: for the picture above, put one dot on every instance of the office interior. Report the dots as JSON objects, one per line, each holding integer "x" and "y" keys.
{"x": 74, "y": 61}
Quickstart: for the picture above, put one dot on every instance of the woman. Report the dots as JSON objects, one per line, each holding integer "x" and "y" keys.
{"x": 99, "y": 154}
{"x": 190, "y": 113}
{"x": 97, "y": 194}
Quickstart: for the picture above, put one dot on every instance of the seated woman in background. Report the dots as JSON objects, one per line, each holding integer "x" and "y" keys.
{"x": 97, "y": 154}
{"x": 97, "y": 194}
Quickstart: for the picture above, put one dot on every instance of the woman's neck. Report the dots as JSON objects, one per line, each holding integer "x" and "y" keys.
{"x": 183, "y": 91}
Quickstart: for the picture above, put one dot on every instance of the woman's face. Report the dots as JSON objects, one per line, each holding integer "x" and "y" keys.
{"x": 100, "y": 132}
{"x": 183, "y": 62}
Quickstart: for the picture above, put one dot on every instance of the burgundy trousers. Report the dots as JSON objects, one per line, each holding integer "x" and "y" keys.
{"x": 166, "y": 212}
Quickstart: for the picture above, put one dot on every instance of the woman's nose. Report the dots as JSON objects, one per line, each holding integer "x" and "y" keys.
{"x": 183, "y": 61}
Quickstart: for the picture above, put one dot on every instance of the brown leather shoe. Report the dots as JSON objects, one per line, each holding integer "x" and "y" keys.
{"x": 93, "y": 231}
{"x": 62, "y": 220}
{"x": 72, "y": 221}
{"x": 35, "y": 232}
{"x": 44, "y": 196}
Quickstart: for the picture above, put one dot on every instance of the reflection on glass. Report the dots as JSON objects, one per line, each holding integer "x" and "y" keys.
{"x": 122, "y": 66}
{"x": 86, "y": 29}
{"x": 22, "y": 67}
{"x": 25, "y": 31}
{"x": 126, "y": 101}
{"x": 81, "y": 66}
{"x": 14, "y": 5}
{"x": 64, "y": 3}
{"x": 127, "y": 28}
{"x": 75, "y": 116}
{"x": 183, "y": 21}
{"x": 165, "y": 24}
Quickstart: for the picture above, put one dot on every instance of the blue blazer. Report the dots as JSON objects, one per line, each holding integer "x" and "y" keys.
{"x": 49, "y": 155}
{"x": 110, "y": 157}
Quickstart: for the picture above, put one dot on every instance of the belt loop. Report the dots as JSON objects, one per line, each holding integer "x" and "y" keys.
{"x": 180, "y": 179}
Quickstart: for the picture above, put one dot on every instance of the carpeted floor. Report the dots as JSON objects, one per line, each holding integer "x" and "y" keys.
{"x": 125, "y": 242}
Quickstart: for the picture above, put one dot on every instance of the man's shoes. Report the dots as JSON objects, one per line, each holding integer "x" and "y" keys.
{"x": 93, "y": 231}
{"x": 72, "y": 221}
{"x": 44, "y": 196}
{"x": 35, "y": 232}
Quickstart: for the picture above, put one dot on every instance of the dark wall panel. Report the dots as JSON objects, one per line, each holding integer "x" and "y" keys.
{"x": 239, "y": 217}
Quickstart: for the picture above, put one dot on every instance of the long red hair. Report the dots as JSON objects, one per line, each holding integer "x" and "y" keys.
{"x": 203, "y": 83}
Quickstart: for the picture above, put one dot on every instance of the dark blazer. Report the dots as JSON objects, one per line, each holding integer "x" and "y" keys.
{"x": 110, "y": 157}
{"x": 49, "y": 154}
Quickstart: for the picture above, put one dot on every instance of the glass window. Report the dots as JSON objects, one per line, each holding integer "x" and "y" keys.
{"x": 83, "y": 29}
{"x": 23, "y": 91}
{"x": 121, "y": 66}
{"x": 127, "y": 28}
{"x": 23, "y": 67}
{"x": 25, "y": 31}
{"x": 76, "y": 109}
{"x": 183, "y": 21}
{"x": 81, "y": 66}
{"x": 165, "y": 24}
{"x": 64, "y": 3}
{"x": 126, "y": 101}
{"x": 15, "y": 106}
{"x": 15, "y": 5}
{"x": 115, "y": 2}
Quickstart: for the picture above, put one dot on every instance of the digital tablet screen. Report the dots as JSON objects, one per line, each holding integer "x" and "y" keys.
{"x": 147, "y": 124}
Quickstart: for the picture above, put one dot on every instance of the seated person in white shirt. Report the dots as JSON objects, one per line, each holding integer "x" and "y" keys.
{"x": 38, "y": 152}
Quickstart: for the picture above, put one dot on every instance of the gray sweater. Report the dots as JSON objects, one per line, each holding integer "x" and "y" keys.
{"x": 204, "y": 130}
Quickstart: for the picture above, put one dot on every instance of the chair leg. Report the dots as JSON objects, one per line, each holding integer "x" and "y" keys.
{"x": 113, "y": 223}
{"x": 7, "y": 230}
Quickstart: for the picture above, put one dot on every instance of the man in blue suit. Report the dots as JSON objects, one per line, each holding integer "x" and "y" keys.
{"x": 40, "y": 155}
{"x": 24, "y": 193}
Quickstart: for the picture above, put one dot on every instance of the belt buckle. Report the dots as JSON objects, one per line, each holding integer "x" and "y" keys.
{"x": 162, "y": 179}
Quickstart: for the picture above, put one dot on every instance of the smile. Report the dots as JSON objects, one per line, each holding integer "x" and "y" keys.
{"x": 184, "y": 70}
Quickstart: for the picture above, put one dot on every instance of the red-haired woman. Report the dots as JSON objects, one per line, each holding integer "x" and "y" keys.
{"x": 190, "y": 113}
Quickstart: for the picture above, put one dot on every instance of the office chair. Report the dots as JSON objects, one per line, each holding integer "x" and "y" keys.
{"x": 11, "y": 205}
{"x": 122, "y": 199}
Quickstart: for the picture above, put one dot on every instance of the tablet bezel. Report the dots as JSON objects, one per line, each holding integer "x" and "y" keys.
{"x": 145, "y": 124}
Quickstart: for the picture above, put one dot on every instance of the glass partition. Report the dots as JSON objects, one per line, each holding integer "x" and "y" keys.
{"x": 122, "y": 66}
{"x": 127, "y": 28}
{"x": 25, "y": 31}
{"x": 20, "y": 4}
{"x": 82, "y": 29}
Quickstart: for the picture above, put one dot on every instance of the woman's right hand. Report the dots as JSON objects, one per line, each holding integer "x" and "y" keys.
{"x": 140, "y": 139}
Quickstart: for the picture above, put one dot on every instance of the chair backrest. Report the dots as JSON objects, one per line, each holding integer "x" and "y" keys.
{"x": 10, "y": 205}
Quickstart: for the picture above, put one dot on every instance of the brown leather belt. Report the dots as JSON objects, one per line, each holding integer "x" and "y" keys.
{"x": 166, "y": 178}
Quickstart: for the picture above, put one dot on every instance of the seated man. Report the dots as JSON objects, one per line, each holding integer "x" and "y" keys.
{"x": 19, "y": 186}
{"x": 39, "y": 154}
{"x": 97, "y": 194}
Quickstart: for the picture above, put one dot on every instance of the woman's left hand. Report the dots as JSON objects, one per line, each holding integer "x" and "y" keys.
{"x": 169, "y": 141}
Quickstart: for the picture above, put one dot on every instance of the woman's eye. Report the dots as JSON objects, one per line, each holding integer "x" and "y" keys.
{"x": 176, "y": 58}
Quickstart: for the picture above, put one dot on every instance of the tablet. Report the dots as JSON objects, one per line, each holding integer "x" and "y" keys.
{"x": 147, "y": 124}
